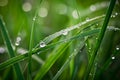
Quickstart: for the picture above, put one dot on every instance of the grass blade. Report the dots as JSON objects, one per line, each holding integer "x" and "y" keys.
{"x": 25, "y": 56}
{"x": 101, "y": 35}
{"x": 10, "y": 50}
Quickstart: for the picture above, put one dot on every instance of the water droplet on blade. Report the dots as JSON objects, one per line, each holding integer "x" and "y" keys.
{"x": 18, "y": 39}
{"x": 42, "y": 44}
{"x": 65, "y": 32}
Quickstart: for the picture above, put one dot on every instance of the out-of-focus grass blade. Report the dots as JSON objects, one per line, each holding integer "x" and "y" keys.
{"x": 68, "y": 61}
{"x": 10, "y": 50}
{"x": 25, "y": 56}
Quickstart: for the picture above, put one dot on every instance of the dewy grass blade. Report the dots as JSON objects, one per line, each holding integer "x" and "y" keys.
{"x": 10, "y": 49}
{"x": 25, "y": 56}
{"x": 81, "y": 26}
{"x": 31, "y": 45}
{"x": 101, "y": 35}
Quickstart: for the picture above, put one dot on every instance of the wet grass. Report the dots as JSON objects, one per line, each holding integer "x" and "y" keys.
{"x": 85, "y": 47}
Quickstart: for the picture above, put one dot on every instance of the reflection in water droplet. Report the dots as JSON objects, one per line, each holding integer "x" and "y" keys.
{"x": 65, "y": 32}
{"x": 113, "y": 57}
{"x": 2, "y": 50}
{"x": 92, "y": 8}
{"x": 116, "y": 13}
{"x": 27, "y": 7}
{"x": 42, "y": 44}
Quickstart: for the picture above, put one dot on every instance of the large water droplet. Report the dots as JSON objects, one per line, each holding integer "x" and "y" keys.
{"x": 42, "y": 44}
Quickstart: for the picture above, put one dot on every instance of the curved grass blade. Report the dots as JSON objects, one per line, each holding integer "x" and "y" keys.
{"x": 10, "y": 50}
{"x": 79, "y": 25}
{"x": 25, "y": 56}
{"x": 101, "y": 35}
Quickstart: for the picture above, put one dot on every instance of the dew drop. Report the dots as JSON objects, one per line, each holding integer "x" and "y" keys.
{"x": 116, "y": 13}
{"x": 113, "y": 16}
{"x": 18, "y": 39}
{"x": 75, "y": 14}
{"x": 117, "y": 48}
{"x": 42, "y": 44}
{"x": 113, "y": 57}
{"x": 65, "y": 32}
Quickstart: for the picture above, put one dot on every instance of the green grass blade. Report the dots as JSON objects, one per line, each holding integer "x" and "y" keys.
{"x": 101, "y": 35}
{"x": 10, "y": 50}
{"x": 31, "y": 45}
{"x": 68, "y": 61}
{"x": 25, "y": 56}
{"x": 81, "y": 26}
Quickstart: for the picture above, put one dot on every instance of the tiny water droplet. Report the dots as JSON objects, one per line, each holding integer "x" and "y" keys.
{"x": 117, "y": 48}
{"x": 113, "y": 57}
{"x": 65, "y": 32}
{"x": 116, "y": 13}
{"x": 18, "y": 39}
{"x": 113, "y": 16}
{"x": 42, "y": 44}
